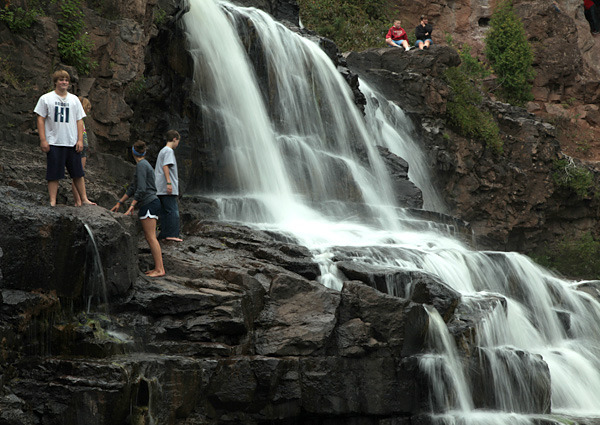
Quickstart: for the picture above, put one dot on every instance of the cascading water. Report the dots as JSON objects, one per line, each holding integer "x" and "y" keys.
{"x": 306, "y": 164}
{"x": 95, "y": 285}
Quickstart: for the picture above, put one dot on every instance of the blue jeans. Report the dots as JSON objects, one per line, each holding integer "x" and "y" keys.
{"x": 169, "y": 220}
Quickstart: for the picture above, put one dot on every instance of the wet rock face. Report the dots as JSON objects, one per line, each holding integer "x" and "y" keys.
{"x": 510, "y": 200}
{"x": 46, "y": 248}
{"x": 238, "y": 331}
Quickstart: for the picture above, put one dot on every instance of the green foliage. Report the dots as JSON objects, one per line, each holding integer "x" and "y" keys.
{"x": 137, "y": 87}
{"x": 569, "y": 175}
{"x": 7, "y": 74}
{"x": 75, "y": 46}
{"x": 510, "y": 55}
{"x": 464, "y": 107}
{"x": 160, "y": 16}
{"x": 577, "y": 258}
{"x": 17, "y": 18}
{"x": 351, "y": 24}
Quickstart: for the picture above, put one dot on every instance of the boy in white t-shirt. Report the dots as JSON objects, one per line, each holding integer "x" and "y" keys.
{"x": 60, "y": 126}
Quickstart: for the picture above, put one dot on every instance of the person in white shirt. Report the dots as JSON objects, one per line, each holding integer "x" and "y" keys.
{"x": 60, "y": 127}
{"x": 167, "y": 188}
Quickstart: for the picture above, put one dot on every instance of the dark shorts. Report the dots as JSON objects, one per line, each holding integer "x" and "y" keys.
{"x": 84, "y": 152}
{"x": 150, "y": 210}
{"x": 60, "y": 157}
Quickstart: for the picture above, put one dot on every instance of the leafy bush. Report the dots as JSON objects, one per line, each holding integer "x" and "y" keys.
{"x": 569, "y": 175}
{"x": 75, "y": 46}
{"x": 464, "y": 107}
{"x": 17, "y": 18}
{"x": 351, "y": 24}
{"x": 577, "y": 258}
{"x": 510, "y": 55}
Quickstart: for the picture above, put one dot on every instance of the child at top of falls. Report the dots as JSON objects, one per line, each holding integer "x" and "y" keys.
{"x": 60, "y": 127}
{"x": 591, "y": 9}
{"x": 397, "y": 37}
{"x": 423, "y": 33}
{"x": 143, "y": 191}
{"x": 87, "y": 108}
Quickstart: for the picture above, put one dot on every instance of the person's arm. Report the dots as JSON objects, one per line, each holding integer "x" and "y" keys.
{"x": 131, "y": 207}
{"x": 79, "y": 145}
{"x": 388, "y": 39}
{"x": 166, "y": 170}
{"x": 119, "y": 202}
{"x": 419, "y": 32}
{"x": 41, "y": 126}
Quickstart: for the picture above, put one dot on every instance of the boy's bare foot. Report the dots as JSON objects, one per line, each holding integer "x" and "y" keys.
{"x": 88, "y": 202}
{"x": 155, "y": 273}
{"x": 174, "y": 239}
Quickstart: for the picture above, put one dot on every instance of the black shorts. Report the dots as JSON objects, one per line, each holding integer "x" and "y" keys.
{"x": 60, "y": 157}
{"x": 150, "y": 210}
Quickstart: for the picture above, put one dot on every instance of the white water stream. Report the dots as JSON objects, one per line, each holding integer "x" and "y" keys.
{"x": 307, "y": 165}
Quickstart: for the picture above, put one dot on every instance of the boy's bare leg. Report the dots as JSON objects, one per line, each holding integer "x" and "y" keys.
{"x": 79, "y": 183}
{"x": 52, "y": 191}
{"x": 76, "y": 196}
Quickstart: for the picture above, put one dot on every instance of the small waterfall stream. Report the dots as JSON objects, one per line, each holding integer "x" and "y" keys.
{"x": 95, "y": 290}
{"x": 306, "y": 164}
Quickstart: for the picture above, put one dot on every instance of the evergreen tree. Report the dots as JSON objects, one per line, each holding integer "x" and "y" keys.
{"x": 510, "y": 55}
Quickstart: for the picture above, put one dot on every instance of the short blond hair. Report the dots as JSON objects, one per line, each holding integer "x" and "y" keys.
{"x": 61, "y": 73}
{"x": 87, "y": 105}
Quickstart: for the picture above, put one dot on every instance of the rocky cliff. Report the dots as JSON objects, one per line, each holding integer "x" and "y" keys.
{"x": 239, "y": 331}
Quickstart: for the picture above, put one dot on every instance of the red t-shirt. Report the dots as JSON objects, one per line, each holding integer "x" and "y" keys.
{"x": 587, "y": 4}
{"x": 397, "y": 34}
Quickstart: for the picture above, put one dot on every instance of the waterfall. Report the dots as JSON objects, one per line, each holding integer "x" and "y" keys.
{"x": 390, "y": 127}
{"x": 95, "y": 283}
{"x": 305, "y": 163}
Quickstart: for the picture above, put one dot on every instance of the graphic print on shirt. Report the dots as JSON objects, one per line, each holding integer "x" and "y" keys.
{"x": 61, "y": 111}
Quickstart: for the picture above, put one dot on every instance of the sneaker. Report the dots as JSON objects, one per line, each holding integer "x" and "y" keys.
{"x": 408, "y": 48}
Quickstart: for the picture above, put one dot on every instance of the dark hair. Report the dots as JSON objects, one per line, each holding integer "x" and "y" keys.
{"x": 423, "y": 17}
{"x": 172, "y": 134}
{"x": 140, "y": 147}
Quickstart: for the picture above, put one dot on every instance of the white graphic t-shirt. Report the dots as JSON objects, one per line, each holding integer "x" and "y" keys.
{"x": 61, "y": 116}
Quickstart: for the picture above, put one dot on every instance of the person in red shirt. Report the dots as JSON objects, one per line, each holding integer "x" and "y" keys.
{"x": 397, "y": 37}
{"x": 592, "y": 13}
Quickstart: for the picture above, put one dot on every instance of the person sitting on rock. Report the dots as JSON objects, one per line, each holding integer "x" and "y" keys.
{"x": 423, "y": 34}
{"x": 143, "y": 191}
{"x": 397, "y": 37}
{"x": 592, "y": 14}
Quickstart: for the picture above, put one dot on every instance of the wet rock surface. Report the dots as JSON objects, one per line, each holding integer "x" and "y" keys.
{"x": 230, "y": 335}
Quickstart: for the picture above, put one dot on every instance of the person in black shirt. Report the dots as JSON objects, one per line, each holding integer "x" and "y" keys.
{"x": 423, "y": 34}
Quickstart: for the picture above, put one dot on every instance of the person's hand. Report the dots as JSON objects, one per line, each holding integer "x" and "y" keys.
{"x": 129, "y": 210}
{"x": 116, "y": 207}
{"x": 79, "y": 147}
{"x": 44, "y": 146}
{"x": 169, "y": 189}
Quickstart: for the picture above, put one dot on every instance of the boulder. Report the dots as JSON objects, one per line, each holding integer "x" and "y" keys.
{"x": 47, "y": 248}
{"x": 298, "y": 319}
